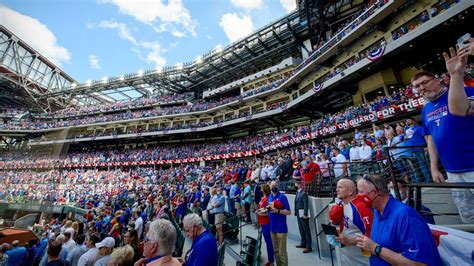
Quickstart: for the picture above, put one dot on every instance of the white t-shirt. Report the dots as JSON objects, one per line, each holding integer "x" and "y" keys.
{"x": 139, "y": 226}
{"x": 339, "y": 161}
{"x": 70, "y": 230}
{"x": 365, "y": 153}
{"x": 354, "y": 153}
{"x": 351, "y": 255}
{"x": 89, "y": 258}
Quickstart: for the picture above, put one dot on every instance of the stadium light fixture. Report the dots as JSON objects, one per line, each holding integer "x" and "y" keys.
{"x": 140, "y": 73}
{"x": 105, "y": 80}
{"x": 219, "y": 49}
{"x": 122, "y": 78}
{"x": 73, "y": 85}
{"x": 88, "y": 83}
{"x": 179, "y": 66}
{"x": 198, "y": 60}
{"x": 159, "y": 70}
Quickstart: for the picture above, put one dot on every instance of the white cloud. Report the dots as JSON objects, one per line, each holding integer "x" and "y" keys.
{"x": 94, "y": 62}
{"x": 35, "y": 34}
{"x": 288, "y": 5}
{"x": 171, "y": 17}
{"x": 150, "y": 52}
{"x": 122, "y": 28}
{"x": 209, "y": 37}
{"x": 178, "y": 34}
{"x": 248, "y": 4}
{"x": 155, "y": 54}
{"x": 236, "y": 27}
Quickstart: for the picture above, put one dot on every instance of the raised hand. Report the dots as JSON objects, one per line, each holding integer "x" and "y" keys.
{"x": 455, "y": 64}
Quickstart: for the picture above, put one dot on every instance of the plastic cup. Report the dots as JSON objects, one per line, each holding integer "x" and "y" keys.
{"x": 365, "y": 253}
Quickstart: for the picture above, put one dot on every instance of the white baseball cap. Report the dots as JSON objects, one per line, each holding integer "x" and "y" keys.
{"x": 107, "y": 242}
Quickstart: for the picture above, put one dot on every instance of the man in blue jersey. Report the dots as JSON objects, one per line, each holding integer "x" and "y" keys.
{"x": 279, "y": 208}
{"x": 449, "y": 138}
{"x": 204, "y": 248}
{"x": 399, "y": 236}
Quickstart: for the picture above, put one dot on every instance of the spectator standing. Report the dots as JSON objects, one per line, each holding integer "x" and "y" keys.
{"x": 256, "y": 195}
{"x": 279, "y": 209}
{"x": 69, "y": 243}
{"x": 210, "y": 207}
{"x": 17, "y": 254}
{"x": 204, "y": 249}
{"x": 105, "y": 247}
{"x": 365, "y": 152}
{"x": 247, "y": 200}
{"x": 218, "y": 206}
{"x": 340, "y": 165}
{"x": 414, "y": 137}
{"x": 139, "y": 224}
{"x": 234, "y": 194}
{"x": 310, "y": 174}
{"x": 92, "y": 255}
{"x": 356, "y": 219}
{"x": 159, "y": 245}
{"x": 354, "y": 155}
{"x": 449, "y": 140}
{"x": 122, "y": 256}
{"x": 54, "y": 259}
{"x": 302, "y": 215}
{"x": 399, "y": 236}
{"x": 77, "y": 251}
{"x": 323, "y": 163}
{"x": 204, "y": 201}
{"x": 425, "y": 212}
{"x": 3, "y": 256}
{"x": 131, "y": 239}
{"x": 264, "y": 222}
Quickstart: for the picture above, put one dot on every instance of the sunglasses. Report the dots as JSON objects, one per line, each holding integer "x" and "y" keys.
{"x": 367, "y": 177}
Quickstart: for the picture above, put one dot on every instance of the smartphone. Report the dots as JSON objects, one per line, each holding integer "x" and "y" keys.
{"x": 463, "y": 39}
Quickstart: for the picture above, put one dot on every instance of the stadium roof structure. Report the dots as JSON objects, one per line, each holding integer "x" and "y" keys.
{"x": 29, "y": 79}
{"x": 218, "y": 67}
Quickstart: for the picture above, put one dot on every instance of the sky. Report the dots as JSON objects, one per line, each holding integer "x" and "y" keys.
{"x": 93, "y": 39}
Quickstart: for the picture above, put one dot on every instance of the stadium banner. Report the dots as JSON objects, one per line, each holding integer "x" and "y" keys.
{"x": 410, "y": 106}
{"x": 454, "y": 246}
{"x": 390, "y": 111}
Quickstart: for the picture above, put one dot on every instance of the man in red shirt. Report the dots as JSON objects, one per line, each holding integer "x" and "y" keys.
{"x": 310, "y": 173}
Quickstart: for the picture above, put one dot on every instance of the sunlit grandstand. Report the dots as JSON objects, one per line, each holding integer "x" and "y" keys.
{"x": 326, "y": 93}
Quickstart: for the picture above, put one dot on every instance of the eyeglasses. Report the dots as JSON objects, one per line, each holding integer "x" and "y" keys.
{"x": 424, "y": 83}
{"x": 148, "y": 240}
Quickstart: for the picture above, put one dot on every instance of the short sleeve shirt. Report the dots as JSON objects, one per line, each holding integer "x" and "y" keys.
{"x": 278, "y": 221}
{"x": 401, "y": 229}
{"x": 452, "y": 135}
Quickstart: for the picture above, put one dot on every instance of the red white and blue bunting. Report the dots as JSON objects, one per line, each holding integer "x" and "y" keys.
{"x": 376, "y": 54}
{"x": 318, "y": 87}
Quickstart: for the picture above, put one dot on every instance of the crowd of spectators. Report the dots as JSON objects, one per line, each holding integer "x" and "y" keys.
{"x": 350, "y": 24}
{"x": 124, "y": 202}
{"x": 73, "y": 112}
{"x": 11, "y": 112}
{"x": 251, "y": 143}
{"x": 117, "y": 106}
{"x": 363, "y": 147}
